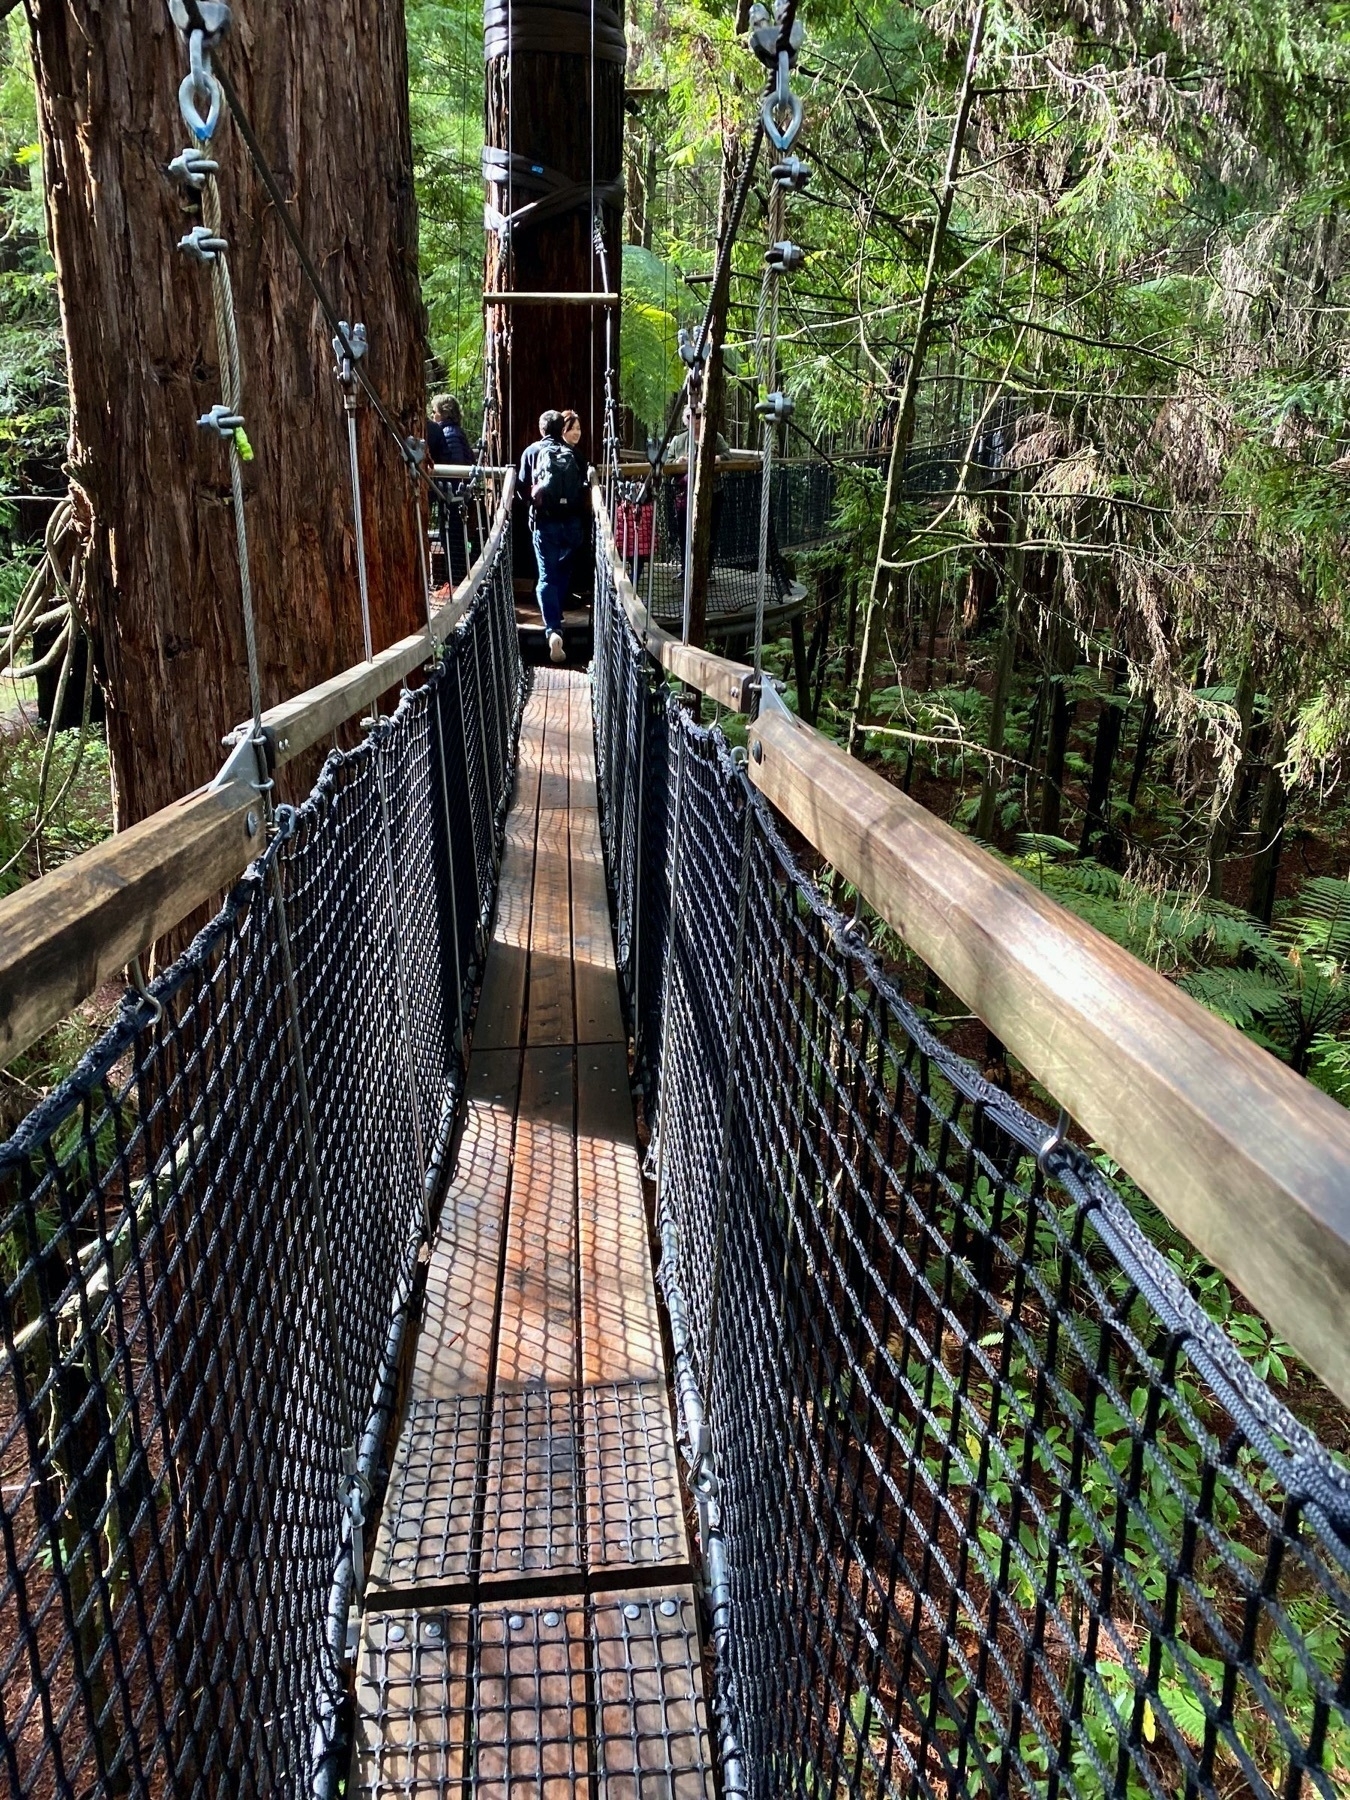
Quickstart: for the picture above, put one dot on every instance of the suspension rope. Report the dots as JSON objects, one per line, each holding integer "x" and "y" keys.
{"x": 780, "y": 41}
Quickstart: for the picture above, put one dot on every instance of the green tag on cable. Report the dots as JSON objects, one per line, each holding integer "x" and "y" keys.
{"x": 242, "y": 444}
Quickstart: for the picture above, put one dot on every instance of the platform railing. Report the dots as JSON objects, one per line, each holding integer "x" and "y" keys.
{"x": 210, "y": 1231}
{"x": 988, "y": 1502}
{"x": 62, "y": 937}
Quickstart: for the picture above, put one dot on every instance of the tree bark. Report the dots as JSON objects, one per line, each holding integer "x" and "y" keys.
{"x": 1057, "y": 745}
{"x": 158, "y": 579}
{"x": 1143, "y": 748}
{"x": 566, "y": 113}
{"x": 998, "y": 704}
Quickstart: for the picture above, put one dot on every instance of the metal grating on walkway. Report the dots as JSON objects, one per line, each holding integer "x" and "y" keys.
{"x": 530, "y": 1628}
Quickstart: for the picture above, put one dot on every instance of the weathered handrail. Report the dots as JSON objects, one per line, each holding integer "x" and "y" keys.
{"x": 1247, "y": 1159}
{"x": 65, "y": 934}
{"x": 731, "y": 684}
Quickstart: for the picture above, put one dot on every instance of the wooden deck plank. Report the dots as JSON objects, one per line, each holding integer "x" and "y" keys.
{"x": 537, "y": 1454}
{"x": 651, "y": 1725}
{"x": 530, "y": 1727}
{"x": 620, "y": 1326}
{"x": 550, "y": 1018}
{"x": 501, "y": 1003}
{"x": 598, "y": 1013}
{"x": 412, "y": 1715}
{"x": 454, "y": 1347}
{"x": 536, "y": 1339}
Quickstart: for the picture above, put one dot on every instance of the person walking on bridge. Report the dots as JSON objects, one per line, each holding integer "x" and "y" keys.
{"x": 552, "y": 475}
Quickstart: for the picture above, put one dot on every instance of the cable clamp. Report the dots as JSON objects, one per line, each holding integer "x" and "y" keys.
{"x": 690, "y": 354}
{"x": 785, "y": 257}
{"x": 792, "y": 173}
{"x": 191, "y": 167}
{"x": 223, "y": 422}
{"x": 349, "y": 346}
{"x": 202, "y": 244}
{"x": 777, "y": 408}
{"x": 156, "y": 1006}
{"x": 286, "y": 820}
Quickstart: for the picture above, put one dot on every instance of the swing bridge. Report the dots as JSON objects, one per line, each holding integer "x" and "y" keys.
{"x": 525, "y": 1305}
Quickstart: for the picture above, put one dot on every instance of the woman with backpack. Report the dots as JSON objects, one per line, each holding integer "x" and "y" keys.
{"x": 552, "y": 475}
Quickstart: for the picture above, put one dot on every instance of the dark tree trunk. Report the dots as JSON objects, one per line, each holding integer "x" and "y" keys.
{"x": 1109, "y": 722}
{"x": 563, "y": 111}
{"x": 703, "y": 473}
{"x": 1269, "y": 830}
{"x": 851, "y": 631}
{"x": 1143, "y": 749}
{"x": 1057, "y": 745}
{"x": 158, "y": 582}
{"x": 1225, "y": 814}
{"x": 998, "y": 713}
{"x": 818, "y": 654}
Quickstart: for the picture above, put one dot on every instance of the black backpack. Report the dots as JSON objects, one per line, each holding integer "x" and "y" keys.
{"x": 558, "y": 486}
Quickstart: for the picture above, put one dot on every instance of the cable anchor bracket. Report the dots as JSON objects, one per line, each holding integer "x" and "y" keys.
{"x": 199, "y": 85}
{"x": 349, "y": 347}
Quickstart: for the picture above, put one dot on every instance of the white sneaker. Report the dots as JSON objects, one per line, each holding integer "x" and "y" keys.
{"x": 556, "y": 652}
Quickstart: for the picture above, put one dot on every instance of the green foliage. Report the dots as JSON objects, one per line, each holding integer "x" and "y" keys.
{"x": 445, "y": 58}
{"x": 83, "y": 817}
{"x": 651, "y": 369}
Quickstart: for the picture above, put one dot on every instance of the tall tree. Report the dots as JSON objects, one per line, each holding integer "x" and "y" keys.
{"x": 325, "y": 86}
{"x": 554, "y": 162}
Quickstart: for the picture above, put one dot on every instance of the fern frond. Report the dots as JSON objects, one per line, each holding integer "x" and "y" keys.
{"x": 1242, "y": 996}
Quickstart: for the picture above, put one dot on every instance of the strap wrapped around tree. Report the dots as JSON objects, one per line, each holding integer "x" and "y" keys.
{"x": 559, "y": 28}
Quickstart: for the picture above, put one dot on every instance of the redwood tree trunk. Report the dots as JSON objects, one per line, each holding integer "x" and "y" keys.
{"x": 325, "y": 86}
{"x": 564, "y": 111}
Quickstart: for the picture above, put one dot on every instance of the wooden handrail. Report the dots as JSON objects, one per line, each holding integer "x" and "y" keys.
{"x": 738, "y": 459}
{"x": 1247, "y": 1159}
{"x": 731, "y": 684}
{"x": 64, "y": 935}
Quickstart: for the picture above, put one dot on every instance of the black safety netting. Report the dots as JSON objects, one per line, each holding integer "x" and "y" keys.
{"x": 1003, "y": 1511}
{"x": 175, "y": 1409}
{"x": 650, "y": 535}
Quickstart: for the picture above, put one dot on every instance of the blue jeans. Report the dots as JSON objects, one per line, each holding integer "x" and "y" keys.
{"x": 556, "y": 542}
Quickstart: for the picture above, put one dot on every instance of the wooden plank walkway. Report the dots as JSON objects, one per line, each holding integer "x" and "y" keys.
{"x": 530, "y": 1628}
